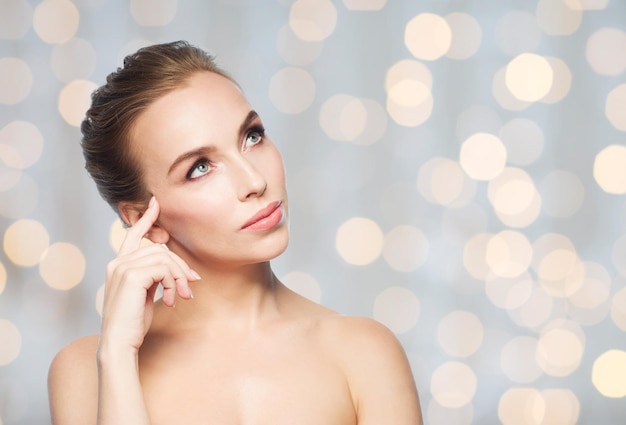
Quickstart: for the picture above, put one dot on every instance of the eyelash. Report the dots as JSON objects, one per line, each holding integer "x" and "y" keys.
{"x": 256, "y": 129}
{"x": 194, "y": 167}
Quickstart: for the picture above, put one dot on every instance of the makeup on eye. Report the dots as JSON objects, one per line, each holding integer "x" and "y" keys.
{"x": 199, "y": 168}
{"x": 251, "y": 133}
{"x": 256, "y": 133}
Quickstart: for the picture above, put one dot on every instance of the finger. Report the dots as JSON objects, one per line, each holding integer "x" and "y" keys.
{"x": 132, "y": 241}
{"x": 149, "y": 266}
{"x": 151, "y": 255}
{"x": 191, "y": 274}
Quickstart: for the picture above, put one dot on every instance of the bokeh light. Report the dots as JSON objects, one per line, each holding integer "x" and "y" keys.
{"x": 558, "y": 17}
{"x": 405, "y": 248}
{"x": 304, "y": 284}
{"x": 525, "y": 405}
{"x": 62, "y": 266}
{"x": 56, "y": 21}
{"x": 74, "y": 100}
{"x": 590, "y": 4}
{"x": 364, "y": 4}
{"x": 508, "y": 254}
{"x": 559, "y": 352}
{"x": 442, "y": 181}
{"x": 561, "y": 81}
{"x": 99, "y": 303}
{"x": 518, "y": 361}
{"x": 514, "y": 197}
{"x": 596, "y": 286}
{"x": 359, "y": 241}
{"x": 460, "y": 333}
{"x": 3, "y": 278}
{"x": 562, "y": 407}
{"x": 25, "y": 241}
{"x": 609, "y": 373}
{"x": 503, "y": 95}
{"x": 482, "y": 156}
{"x": 408, "y": 70}
{"x": 618, "y": 309}
{"x": 428, "y": 36}
{"x": 313, "y": 20}
{"x": 153, "y": 13}
{"x": 466, "y": 35}
{"x": 614, "y": 107}
{"x": 294, "y": 50}
{"x": 409, "y": 102}
{"x": 474, "y": 257}
{"x": 535, "y": 311}
{"x": 509, "y": 293}
{"x": 21, "y": 144}
{"x": 609, "y": 169}
{"x": 529, "y": 77}
{"x": 73, "y": 60}
{"x": 398, "y": 308}
{"x": 11, "y": 342}
{"x": 347, "y": 118}
{"x": 453, "y": 384}
{"x": 605, "y": 51}
{"x": 16, "y": 80}
{"x": 436, "y": 414}
{"x": 292, "y": 90}
{"x": 521, "y": 406}
{"x": 619, "y": 254}
{"x": 562, "y": 193}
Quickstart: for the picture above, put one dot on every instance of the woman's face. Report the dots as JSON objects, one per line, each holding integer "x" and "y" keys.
{"x": 218, "y": 178}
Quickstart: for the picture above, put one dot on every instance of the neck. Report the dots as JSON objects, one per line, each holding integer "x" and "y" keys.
{"x": 240, "y": 297}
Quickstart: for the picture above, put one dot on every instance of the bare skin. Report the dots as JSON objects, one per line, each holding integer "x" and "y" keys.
{"x": 242, "y": 348}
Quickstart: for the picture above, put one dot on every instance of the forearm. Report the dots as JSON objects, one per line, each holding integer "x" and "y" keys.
{"x": 120, "y": 396}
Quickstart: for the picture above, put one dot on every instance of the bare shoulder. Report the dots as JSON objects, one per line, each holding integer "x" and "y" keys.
{"x": 73, "y": 382}
{"x": 377, "y": 370}
{"x": 352, "y": 334}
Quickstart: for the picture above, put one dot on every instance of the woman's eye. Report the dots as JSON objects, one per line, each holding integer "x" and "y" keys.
{"x": 253, "y": 138}
{"x": 199, "y": 169}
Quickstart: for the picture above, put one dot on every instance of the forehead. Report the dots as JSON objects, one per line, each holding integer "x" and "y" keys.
{"x": 208, "y": 108}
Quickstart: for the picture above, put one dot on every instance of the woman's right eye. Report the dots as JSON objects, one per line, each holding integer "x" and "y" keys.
{"x": 199, "y": 169}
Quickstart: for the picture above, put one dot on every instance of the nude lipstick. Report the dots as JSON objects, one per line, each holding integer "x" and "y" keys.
{"x": 266, "y": 218}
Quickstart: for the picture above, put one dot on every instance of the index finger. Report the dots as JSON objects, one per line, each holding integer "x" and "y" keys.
{"x": 132, "y": 241}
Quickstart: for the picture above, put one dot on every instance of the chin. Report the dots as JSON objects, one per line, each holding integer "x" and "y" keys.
{"x": 277, "y": 247}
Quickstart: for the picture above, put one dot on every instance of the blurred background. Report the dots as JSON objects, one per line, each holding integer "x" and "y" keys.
{"x": 456, "y": 170}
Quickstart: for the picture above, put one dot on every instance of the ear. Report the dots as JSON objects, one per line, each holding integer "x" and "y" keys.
{"x": 131, "y": 212}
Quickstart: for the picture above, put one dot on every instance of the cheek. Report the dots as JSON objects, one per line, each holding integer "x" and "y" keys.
{"x": 188, "y": 210}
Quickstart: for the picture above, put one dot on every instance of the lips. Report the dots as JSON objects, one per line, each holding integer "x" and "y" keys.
{"x": 266, "y": 218}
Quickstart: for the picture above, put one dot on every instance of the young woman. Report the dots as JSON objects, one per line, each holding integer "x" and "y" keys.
{"x": 177, "y": 151}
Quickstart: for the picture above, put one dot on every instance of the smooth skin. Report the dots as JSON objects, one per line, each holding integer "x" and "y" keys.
{"x": 227, "y": 343}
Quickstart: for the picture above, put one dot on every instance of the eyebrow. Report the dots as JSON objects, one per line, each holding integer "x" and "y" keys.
{"x": 252, "y": 115}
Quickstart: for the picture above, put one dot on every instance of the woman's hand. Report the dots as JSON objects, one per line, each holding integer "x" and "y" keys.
{"x": 132, "y": 279}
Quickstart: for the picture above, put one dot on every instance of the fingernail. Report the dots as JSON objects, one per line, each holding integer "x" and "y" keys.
{"x": 195, "y": 274}
{"x": 151, "y": 203}
{"x": 190, "y": 293}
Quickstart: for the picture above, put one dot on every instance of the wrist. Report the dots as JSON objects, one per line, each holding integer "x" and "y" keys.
{"x": 115, "y": 353}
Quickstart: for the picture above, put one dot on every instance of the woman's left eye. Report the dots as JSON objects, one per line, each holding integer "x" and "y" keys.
{"x": 253, "y": 138}
{"x": 199, "y": 169}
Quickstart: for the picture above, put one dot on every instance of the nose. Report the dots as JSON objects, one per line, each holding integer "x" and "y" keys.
{"x": 250, "y": 182}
